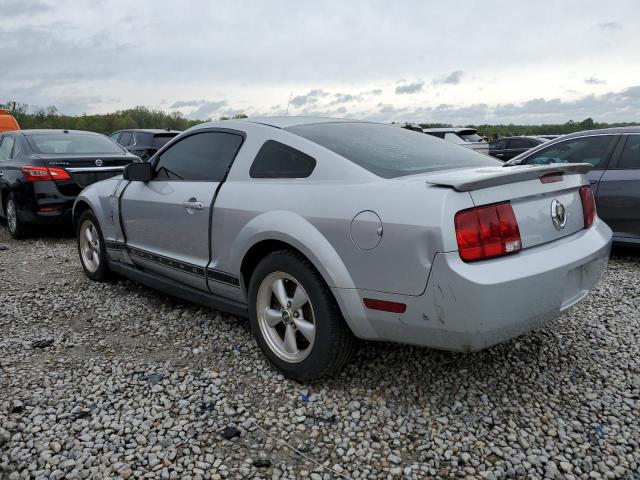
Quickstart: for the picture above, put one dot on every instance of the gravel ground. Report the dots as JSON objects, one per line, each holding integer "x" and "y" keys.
{"x": 115, "y": 380}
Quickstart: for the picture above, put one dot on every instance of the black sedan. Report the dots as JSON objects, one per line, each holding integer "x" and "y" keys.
{"x": 143, "y": 142}
{"x": 508, "y": 147}
{"x": 42, "y": 172}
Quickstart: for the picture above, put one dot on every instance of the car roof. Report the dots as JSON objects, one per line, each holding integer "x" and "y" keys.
{"x": 602, "y": 131}
{"x": 37, "y": 131}
{"x": 286, "y": 122}
{"x": 148, "y": 130}
{"x": 449, "y": 129}
{"x": 532, "y": 137}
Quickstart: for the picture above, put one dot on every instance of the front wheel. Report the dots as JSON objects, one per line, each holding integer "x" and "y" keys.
{"x": 295, "y": 319}
{"x": 91, "y": 247}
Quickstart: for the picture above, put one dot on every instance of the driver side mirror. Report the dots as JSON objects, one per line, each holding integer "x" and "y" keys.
{"x": 138, "y": 172}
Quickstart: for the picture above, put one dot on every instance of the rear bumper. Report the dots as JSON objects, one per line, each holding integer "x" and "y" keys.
{"x": 471, "y": 306}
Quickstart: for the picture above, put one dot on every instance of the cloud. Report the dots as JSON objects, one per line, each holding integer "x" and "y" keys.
{"x": 187, "y": 103}
{"x": 609, "y": 26}
{"x": 452, "y": 79}
{"x": 16, "y": 8}
{"x": 593, "y": 80}
{"x": 409, "y": 88}
{"x": 207, "y": 110}
{"x": 311, "y": 97}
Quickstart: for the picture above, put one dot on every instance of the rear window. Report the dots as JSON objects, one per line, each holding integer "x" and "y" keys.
{"x": 160, "y": 141}
{"x": 389, "y": 151}
{"x": 470, "y": 136}
{"x": 72, "y": 143}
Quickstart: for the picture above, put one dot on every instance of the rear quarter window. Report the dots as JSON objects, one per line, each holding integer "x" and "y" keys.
{"x": 389, "y": 151}
{"x": 276, "y": 160}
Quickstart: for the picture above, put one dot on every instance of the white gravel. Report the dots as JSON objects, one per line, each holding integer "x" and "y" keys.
{"x": 115, "y": 380}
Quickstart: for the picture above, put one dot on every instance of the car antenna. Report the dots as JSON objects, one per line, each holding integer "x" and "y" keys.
{"x": 287, "y": 112}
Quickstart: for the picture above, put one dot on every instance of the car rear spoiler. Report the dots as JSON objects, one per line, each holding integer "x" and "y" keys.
{"x": 467, "y": 179}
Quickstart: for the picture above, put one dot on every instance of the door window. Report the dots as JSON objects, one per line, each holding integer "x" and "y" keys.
{"x": 6, "y": 149}
{"x": 498, "y": 144}
{"x": 519, "y": 143}
{"x": 203, "y": 156}
{"x": 630, "y": 158}
{"x": 575, "y": 150}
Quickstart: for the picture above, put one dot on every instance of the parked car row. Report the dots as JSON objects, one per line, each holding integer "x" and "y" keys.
{"x": 326, "y": 230}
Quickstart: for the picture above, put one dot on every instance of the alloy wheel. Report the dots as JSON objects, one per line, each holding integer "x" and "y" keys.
{"x": 12, "y": 216}
{"x": 286, "y": 317}
{"x": 89, "y": 246}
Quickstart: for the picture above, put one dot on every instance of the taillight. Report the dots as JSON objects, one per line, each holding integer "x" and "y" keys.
{"x": 588, "y": 205}
{"x": 42, "y": 174}
{"x": 486, "y": 232}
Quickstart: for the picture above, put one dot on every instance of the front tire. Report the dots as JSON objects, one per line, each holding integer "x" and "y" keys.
{"x": 295, "y": 319}
{"x": 91, "y": 247}
{"x": 16, "y": 228}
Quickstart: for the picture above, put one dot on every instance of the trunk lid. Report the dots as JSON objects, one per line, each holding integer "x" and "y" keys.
{"x": 546, "y": 201}
{"x": 86, "y": 169}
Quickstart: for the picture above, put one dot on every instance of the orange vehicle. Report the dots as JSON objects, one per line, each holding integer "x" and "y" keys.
{"x": 7, "y": 122}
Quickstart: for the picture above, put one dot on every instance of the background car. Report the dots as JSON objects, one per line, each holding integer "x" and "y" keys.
{"x": 323, "y": 229}
{"x": 42, "y": 172}
{"x": 7, "y": 122}
{"x": 143, "y": 142}
{"x": 508, "y": 147}
{"x": 466, "y": 137}
{"x": 615, "y": 178}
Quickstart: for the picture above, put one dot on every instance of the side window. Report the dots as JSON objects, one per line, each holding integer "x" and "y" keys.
{"x": 518, "y": 143}
{"x": 203, "y": 156}
{"x": 436, "y": 134}
{"x": 576, "y": 150}
{"x": 126, "y": 139}
{"x": 498, "y": 144}
{"x": 6, "y": 149}
{"x": 115, "y": 136}
{"x": 275, "y": 160}
{"x": 630, "y": 158}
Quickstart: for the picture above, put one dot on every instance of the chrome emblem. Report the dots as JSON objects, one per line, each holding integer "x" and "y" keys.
{"x": 558, "y": 214}
{"x": 99, "y": 163}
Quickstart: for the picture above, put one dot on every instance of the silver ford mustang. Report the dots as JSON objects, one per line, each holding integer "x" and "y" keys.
{"x": 323, "y": 230}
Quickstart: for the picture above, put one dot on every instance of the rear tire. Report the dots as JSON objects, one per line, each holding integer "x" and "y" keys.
{"x": 16, "y": 228}
{"x": 91, "y": 247}
{"x": 295, "y": 318}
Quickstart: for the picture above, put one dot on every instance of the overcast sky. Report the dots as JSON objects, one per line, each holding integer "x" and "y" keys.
{"x": 422, "y": 61}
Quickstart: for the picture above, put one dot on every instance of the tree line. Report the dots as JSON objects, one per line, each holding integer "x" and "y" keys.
{"x": 138, "y": 117}
{"x": 143, "y": 117}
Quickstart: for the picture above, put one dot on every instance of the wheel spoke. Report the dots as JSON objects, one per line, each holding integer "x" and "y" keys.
{"x": 87, "y": 235}
{"x": 273, "y": 317}
{"x": 307, "y": 329}
{"x": 94, "y": 233}
{"x": 299, "y": 298}
{"x": 95, "y": 257}
{"x": 290, "y": 344}
{"x": 280, "y": 292}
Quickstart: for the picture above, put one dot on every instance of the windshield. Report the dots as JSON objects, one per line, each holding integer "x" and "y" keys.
{"x": 80, "y": 143}
{"x": 389, "y": 151}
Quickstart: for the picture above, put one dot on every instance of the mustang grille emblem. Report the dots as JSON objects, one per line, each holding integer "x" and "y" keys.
{"x": 99, "y": 162}
{"x": 558, "y": 214}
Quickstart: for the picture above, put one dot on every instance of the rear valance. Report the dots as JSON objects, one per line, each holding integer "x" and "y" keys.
{"x": 468, "y": 179}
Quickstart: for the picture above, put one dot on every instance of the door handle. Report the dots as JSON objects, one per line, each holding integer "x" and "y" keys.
{"x": 193, "y": 204}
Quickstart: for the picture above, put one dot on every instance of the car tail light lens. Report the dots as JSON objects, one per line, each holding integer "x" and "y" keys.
{"x": 43, "y": 174}
{"x": 588, "y": 205}
{"x": 486, "y": 232}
